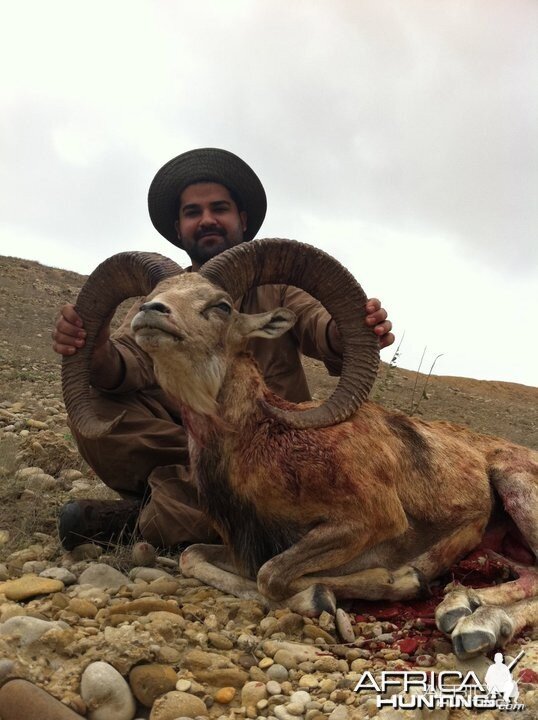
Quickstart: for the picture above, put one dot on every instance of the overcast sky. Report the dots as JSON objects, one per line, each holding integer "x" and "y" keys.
{"x": 398, "y": 135}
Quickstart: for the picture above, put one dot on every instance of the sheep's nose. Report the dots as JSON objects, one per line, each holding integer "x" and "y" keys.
{"x": 156, "y": 306}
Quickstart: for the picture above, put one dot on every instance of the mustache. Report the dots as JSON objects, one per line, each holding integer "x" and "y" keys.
{"x": 209, "y": 231}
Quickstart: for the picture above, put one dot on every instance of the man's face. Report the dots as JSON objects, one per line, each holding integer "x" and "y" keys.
{"x": 209, "y": 222}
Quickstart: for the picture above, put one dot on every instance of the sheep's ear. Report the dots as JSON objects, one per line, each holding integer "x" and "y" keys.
{"x": 271, "y": 324}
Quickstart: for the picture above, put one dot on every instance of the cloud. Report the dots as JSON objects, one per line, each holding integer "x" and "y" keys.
{"x": 399, "y": 131}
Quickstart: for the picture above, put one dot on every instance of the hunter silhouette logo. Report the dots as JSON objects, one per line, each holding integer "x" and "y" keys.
{"x": 410, "y": 689}
{"x": 499, "y": 679}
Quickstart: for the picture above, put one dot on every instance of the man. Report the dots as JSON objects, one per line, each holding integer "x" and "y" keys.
{"x": 204, "y": 202}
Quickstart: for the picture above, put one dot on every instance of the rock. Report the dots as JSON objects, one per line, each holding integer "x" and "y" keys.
{"x": 143, "y": 606}
{"x": 222, "y": 677}
{"x": 103, "y": 576}
{"x": 289, "y": 623}
{"x": 277, "y": 672}
{"x": 308, "y": 681}
{"x": 4, "y": 573}
{"x": 37, "y": 424}
{"x": 200, "y": 660}
{"x": 299, "y": 651}
{"x": 344, "y": 626}
{"x": 143, "y": 554}
{"x": 300, "y": 696}
{"x": 273, "y": 688}
{"x": 184, "y": 685}
{"x": 82, "y": 608}
{"x": 25, "y": 473}
{"x": 58, "y": 573}
{"x": 252, "y": 693}
{"x": 176, "y": 705}
{"x": 314, "y": 632}
{"x": 163, "y": 586}
{"x": 41, "y": 482}
{"x": 70, "y": 475}
{"x": 149, "y": 574}
{"x": 148, "y": 682}
{"x": 339, "y": 713}
{"x": 29, "y": 629}
{"x": 225, "y": 695}
{"x": 21, "y": 700}
{"x": 6, "y": 668}
{"x": 105, "y": 691}
{"x": 35, "y": 567}
{"x": 4, "y": 537}
{"x": 29, "y": 586}
{"x": 221, "y": 642}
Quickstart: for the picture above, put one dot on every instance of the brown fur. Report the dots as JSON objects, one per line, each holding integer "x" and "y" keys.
{"x": 370, "y": 507}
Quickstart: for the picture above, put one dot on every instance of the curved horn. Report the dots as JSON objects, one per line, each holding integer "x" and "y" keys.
{"x": 287, "y": 261}
{"x": 122, "y": 276}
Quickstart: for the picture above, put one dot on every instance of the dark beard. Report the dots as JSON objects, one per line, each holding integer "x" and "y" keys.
{"x": 200, "y": 254}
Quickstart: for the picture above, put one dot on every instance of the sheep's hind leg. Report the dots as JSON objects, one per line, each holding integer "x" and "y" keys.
{"x": 481, "y": 619}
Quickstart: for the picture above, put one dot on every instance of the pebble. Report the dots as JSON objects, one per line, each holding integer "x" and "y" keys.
{"x": 61, "y": 574}
{"x": 148, "y": 574}
{"x": 344, "y": 626}
{"x": 148, "y": 682}
{"x": 6, "y": 668}
{"x": 273, "y": 687}
{"x": 21, "y": 700}
{"x": 220, "y": 641}
{"x": 106, "y": 692}
{"x": 339, "y": 713}
{"x": 308, "y": 681}
{"x": 103, "y": 576}
{"x": 177, "y": 704}
{"x": 225, "y": 695}
{"x": 277, "y": 672}
{"x": 29, "y": 586}
{"x": 82, "y": 608}
{"x": 29, "y": 629}
{"x": 252, "y": 693}
{"x": 183, "y": 685}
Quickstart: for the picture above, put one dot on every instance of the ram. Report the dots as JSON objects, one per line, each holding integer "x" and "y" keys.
{"x": 316, "y": 502}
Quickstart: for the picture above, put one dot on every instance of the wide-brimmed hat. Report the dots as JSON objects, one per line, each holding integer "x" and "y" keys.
{"x": 204, "y": 165}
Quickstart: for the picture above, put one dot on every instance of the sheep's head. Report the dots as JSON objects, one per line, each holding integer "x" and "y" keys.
{"x": 229, "y": 276}
{"x": 191, "y": 330}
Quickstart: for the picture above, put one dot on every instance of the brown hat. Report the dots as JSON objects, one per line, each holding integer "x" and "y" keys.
{"x": 205, "y": 165}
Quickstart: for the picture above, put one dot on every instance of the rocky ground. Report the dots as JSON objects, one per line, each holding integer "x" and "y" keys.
{"x": 109, "y": 639}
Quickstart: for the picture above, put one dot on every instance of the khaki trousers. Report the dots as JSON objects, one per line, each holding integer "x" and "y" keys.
{"x": 146, "y": 458}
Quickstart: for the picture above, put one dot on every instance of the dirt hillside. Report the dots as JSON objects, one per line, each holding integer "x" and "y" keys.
{"x": 31, "y": 293}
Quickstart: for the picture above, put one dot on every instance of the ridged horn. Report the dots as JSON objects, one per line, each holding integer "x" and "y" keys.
{"x": 122, "y": 276}
{"x": 293, "y": 263}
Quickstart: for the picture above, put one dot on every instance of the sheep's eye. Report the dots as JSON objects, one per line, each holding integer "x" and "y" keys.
{"x": 224, "y": 306}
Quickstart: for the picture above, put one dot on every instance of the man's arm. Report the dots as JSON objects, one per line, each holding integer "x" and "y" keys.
{"x": 316, "y": 331}
{"x": 118, "y": 364}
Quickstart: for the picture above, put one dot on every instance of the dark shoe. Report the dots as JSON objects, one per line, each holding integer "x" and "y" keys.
{"x": 99, "y": 521}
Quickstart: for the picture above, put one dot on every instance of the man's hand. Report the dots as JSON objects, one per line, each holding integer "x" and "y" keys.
{"x": 376, "y": 318}
{"x": 69, "y": 335}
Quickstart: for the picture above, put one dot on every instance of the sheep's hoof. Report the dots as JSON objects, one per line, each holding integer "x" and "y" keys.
{"x": 313, "y": 601}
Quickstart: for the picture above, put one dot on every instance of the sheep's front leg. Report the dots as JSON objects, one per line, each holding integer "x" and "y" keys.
{"x": 326, "y": 547}
{"x": 213, "y": 565}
